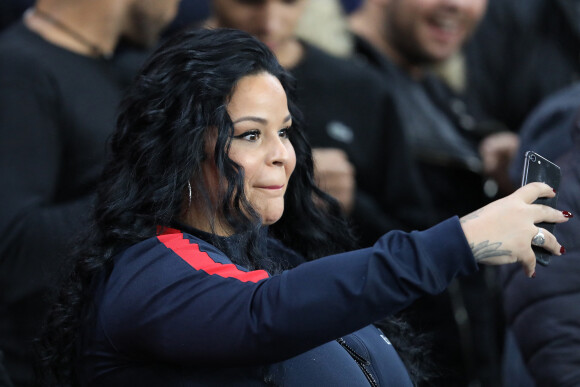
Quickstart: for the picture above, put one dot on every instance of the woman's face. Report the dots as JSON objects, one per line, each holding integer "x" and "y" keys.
{"x": 259, "y": 111}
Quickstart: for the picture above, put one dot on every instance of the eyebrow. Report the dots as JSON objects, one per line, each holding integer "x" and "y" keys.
{"x": 259, "y": 119}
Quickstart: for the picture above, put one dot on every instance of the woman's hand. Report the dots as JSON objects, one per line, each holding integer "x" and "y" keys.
{"x": 502, "y": 231}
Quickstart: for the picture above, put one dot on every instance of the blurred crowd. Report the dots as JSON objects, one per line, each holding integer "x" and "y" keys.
{"x": 417, "y": 110}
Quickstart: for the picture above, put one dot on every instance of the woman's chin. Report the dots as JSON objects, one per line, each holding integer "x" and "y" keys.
{"x": 272, "y": 218}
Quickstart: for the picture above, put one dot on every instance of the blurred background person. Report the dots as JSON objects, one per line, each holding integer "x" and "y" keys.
{"x": 405, "y": 40}
{"x": 521, "y": 53}
{"x": 543, "y": 318}
{"x": 60, "y": 82}
{"x": 360, "y": 155}
{"x": 189, "y": 11}
{"x": 523, "y": 70}
{"x": 547, "y": 129}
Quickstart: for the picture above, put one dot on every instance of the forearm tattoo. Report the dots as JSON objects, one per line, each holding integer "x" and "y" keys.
{"x": 485, "y": 250}
{"x": 473, "y": 215}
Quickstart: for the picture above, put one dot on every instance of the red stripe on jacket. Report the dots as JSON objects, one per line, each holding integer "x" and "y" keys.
{"x": 200, "y": 260}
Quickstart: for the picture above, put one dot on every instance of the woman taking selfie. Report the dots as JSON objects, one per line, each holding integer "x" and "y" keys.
{"x": 215, "y": 260}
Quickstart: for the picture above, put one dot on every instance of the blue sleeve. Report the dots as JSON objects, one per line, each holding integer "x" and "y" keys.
{"x": 200, "y": 313}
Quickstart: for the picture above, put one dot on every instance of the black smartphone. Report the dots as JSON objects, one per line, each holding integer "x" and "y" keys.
{"x": 538, "y": 168}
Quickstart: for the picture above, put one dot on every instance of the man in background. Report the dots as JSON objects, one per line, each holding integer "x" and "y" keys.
{"x": 404, "y": 40}
{"x": 61, "y": 79}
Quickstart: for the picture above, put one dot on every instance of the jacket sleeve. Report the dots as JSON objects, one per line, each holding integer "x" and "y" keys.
{"x": 544, "y": 313}
{"x": 198, "y": 308}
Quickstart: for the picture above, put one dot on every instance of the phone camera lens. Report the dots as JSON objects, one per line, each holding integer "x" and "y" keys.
{"x": 533, "y": 158}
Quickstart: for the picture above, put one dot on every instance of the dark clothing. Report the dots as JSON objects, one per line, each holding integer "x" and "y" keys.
{"x": 547, "y": 129}
{"x": 441, "y": 133}
{"x": 350, "y": 5}
{"x": 544, "y": 314}
{"x": 4, "y": 378}
{"x": 522, "y": 52}
{"x": 346, "y": 105}
{"x": 175, "y": 310}
{"x": 189, "y": 13}
{"x": 57, "y": 109}
{"x": 11, "y": 11}
{"x": 443, "y": 137}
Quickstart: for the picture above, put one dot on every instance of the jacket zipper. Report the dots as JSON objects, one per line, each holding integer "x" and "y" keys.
{"x": 361, "y": 361}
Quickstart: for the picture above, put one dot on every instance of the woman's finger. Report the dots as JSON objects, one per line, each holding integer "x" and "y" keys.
{"x": 532, "y": 191}
{"x": 549, "y": 243}
{"x": 548, "y": 214}
{"x": 528, "y": 262}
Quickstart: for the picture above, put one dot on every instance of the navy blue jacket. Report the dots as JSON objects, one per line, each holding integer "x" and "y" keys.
{"x": 175, "y": 310}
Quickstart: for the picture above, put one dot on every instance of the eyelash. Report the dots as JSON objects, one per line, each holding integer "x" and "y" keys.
{"x": 254, "y": 132}
{"x": 257, "y": 133}
{"x": 286, "y": 130}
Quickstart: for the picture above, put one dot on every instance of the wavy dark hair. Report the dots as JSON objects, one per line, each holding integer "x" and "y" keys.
{"x": 158, "y": 147}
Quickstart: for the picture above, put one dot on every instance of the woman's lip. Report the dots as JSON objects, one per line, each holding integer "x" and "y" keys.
{"x": 272, "y": 187}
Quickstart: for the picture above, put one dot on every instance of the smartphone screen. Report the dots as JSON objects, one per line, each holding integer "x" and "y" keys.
{"x": 538, "y": 168}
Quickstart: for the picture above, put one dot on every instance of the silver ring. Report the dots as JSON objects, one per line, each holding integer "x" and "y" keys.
{"x": 539, "y": 238}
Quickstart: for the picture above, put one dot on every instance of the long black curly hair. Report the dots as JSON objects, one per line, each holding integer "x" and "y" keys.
{"x": 158, "y": 147}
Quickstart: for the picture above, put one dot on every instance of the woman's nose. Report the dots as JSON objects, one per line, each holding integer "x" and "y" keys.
{"x": 279, "y": 152}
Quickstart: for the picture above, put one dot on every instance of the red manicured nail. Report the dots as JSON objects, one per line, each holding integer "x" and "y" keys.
{"x": 562, "y": 250}
{"x": 534, "y": 275}
{"x": 554, "y": 190}
{"x": 567, "y": 214}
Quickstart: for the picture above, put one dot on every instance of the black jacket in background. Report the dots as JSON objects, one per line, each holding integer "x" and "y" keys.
{"x": 522, "y": 52}
{"x": 442, "y": 135}
{"x": 347, "y": 105}
{"x": 57, "y": 109}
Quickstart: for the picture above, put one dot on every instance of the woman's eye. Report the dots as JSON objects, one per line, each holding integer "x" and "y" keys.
{"x": 250, "y": 135}
{"x": 284, "y": 133}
